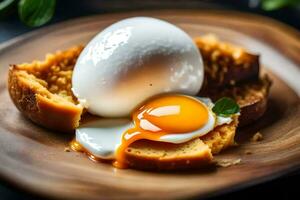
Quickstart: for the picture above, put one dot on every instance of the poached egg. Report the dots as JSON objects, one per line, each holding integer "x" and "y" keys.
{"x": 133, "y": 60}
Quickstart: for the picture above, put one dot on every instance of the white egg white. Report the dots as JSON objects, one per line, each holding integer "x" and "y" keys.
{"x": 132, "y": 60}
{"x": 102, "y": 137}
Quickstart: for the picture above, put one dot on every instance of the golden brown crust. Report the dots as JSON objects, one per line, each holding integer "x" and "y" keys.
{"x": 221, "y": 137}
{"x": 226, "y": 64}
{"x": 253, "y": 110}
{"x": 233, "y": 72}
{"x": 195, "y": 154}
{"x": 30, "y": 92}
{"x": 166, "y": 156}
{"x": 252, "y": 98}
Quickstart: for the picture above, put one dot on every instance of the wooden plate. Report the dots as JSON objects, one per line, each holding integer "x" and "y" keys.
{"x": 34, "y": 158}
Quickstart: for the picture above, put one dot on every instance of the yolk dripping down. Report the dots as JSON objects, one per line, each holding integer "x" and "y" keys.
{"x": 161, "y": 116}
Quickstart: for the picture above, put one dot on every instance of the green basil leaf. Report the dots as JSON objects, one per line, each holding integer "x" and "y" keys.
{"x": 226, "y": 107}
{"x": 6, "y": 6}
{"x": 36, "y": 12}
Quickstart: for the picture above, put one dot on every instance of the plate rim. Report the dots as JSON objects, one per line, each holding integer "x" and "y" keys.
{"x": 279, "y": 26}
{"x": 289, "y": 30}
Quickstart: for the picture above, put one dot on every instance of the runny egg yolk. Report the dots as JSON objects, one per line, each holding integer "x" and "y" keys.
{"x": 162, "y": 116}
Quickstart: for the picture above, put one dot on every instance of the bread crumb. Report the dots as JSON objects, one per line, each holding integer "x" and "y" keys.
{"x": 67, "y": 149}
{"x": 248, "y": 152}
{"x": 228, "y": 162}
{"x": 232, "y": 82}
{"x": 257, "y": 137}
{"x": 235, "y": 144}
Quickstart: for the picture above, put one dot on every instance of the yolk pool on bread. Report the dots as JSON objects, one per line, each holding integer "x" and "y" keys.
{"x": 104, "y": 139}
{"x": 160, "y": 117}
{"x": 166, "y": 112}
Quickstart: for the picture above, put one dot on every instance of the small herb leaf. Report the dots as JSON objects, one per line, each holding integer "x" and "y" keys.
{"x": 36, "y": 12}
{"x": 226, "y": 107}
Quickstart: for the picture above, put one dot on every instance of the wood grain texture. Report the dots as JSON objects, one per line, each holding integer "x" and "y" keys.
{"x": 34, "y": 158}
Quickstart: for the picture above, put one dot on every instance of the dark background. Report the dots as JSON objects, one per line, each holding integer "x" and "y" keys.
{"x": 283, "y": 188}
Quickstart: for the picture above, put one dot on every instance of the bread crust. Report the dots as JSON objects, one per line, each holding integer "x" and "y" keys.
{"x": 253, "y": 110}
{"x": 252, "y": 98}
{"x": 181, "y": 161}
{"x": 33, "y": 100}
{"x": 226, "y": 64}
{"x": 186, "y": 156}
{"x": 222, "y": 137}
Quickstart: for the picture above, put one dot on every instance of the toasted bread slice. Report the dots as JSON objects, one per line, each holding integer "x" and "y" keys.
{"x": 197, "y": 153}
{"x": 42, "y": 90}
{"x": 39, "y": 89}
{"x": 252, "y": 98}
{"x": 233, "y": 72}
{"x": 150, "y": 155}
{"x": 226, "y": 64}
{"x": 221, "y": 137}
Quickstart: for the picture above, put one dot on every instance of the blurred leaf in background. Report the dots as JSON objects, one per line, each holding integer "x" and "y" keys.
{"x": 33, "y": 13}
{"x": 36, "y": 12}
{"x": 277, "y": 4}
